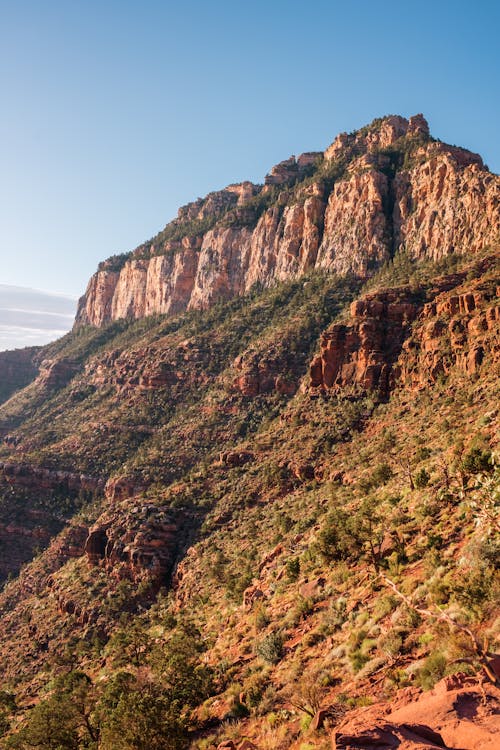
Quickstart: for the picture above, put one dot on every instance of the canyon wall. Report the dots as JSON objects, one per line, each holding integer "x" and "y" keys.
{"x": 347, "y": 210}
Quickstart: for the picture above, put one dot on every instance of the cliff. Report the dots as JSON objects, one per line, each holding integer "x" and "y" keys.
{"x": 413, "y": 335}
{"x": 348, "y": 210}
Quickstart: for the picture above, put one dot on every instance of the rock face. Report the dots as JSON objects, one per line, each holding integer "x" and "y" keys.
{"x": 41, "y": 479}
{"x": 457, "y": 329}
{"x": 447, "y": 204}
{"x": 288, "y": 170}
{"x": 257, "y": 374}
{"x": 395, "y": 335}
{"x": 134, "y": 542}
{"x": 56, "y": 373}
{"x": 390, "y": 736}
{"x": 362, "y": 353}
{"x": 357, "y": 231}
{"x": 458, "y": 713}
{"x": 385, "y": 187}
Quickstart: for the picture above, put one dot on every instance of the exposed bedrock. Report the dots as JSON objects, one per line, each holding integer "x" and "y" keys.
{"x": 393, "y": 187}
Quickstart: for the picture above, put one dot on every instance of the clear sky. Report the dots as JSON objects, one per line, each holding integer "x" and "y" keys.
{"x": 115, "y": 113}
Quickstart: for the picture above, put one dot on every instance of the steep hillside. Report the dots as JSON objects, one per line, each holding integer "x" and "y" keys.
{"x": 17, "y": 369}
{"x": 272, "y": 522}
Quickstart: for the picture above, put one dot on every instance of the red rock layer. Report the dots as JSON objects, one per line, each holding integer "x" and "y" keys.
{"x": 459, "y": 712}
{"x": 362, "y": 353}
{"x": 395, "y": 336}
{"x": 135, "y": 541}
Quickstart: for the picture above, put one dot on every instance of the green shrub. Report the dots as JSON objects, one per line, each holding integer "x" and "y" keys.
{"x": 422, "y": 478}
{"x": 391, "y": 643}
{"x": 423, "y": 453}
{"x": 381, "y": 474}
{"x": 271, "y": 648}
{"x": 338, "y": 539}
{"x": 477, "y": 460}
{"x": 358, "y": 660}
{"x": 432, "y": 670}
{"x": 293, "y": 568}
{"x": 474, "y": 587}
{"x": 261, "y": 618}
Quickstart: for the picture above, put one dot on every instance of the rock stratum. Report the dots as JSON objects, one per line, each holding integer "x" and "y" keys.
{"x": 348, "y": 210}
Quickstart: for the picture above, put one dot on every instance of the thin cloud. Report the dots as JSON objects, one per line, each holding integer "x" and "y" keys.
{"x": 30, "y": 317}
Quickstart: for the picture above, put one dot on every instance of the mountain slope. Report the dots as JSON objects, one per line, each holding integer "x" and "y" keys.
{"x": 220, "y": 521}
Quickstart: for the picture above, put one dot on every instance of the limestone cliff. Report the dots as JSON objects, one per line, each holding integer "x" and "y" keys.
{"x": 347, "y": 210}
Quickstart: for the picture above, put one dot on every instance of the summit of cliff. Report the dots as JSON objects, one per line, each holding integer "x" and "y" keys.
{"x": 349, "y": 209}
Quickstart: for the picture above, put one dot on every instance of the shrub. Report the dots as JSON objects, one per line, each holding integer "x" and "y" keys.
{"x": 432, "y": 670}
{"x": 293, "y": 569}
{"x": 391, "y": 643}
{"x": 423, "y": 453}
{"x": 358, "y": 660}
{"x": 477, "y": 460}
{"x": 422, "y": 478}
{"x": 261, "y": 619}
{"x": 381, "y": 474}
{"x": 474, "y": 587}
{"x": 271, "y": 648}
{"x": 337, "y": 539}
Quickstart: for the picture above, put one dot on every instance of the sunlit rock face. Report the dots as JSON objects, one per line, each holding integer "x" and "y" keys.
{"x": 347, "y": 210}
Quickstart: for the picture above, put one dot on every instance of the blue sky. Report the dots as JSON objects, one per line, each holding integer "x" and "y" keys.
{"x": 116, "y": 113}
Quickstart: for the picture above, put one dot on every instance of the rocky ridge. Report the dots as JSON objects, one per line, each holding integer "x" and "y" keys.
{"x": 458, "y": 713}
{"x": 372, "y": 192}
{"x": 412, "y": 335}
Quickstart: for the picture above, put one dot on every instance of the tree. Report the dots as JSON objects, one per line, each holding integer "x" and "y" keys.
{"x": 51, "y": 725}
{"x": 144, "y": 718}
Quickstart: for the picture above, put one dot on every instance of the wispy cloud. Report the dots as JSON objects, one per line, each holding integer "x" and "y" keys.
{"x": 30, "y": 317}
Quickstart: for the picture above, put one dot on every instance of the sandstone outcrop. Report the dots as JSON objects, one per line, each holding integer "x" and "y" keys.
{"x": 448, "y": 204}
{"x": 456, "y": 330}
{"x": 362, "y": 353}
{"x": 458, "y": 713}
{"x": 135, "y": 542}
{"x": 41, "y": 479}
{"x": 146, "y": 368}
{"x": 396, "y": 336}
{"x": 257, "y": 373}
{"x": 392, "y": 187}
{"x": 357, "y": 230}
{"x": 56, "y": 373}
{"x": 291, "y": 168}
